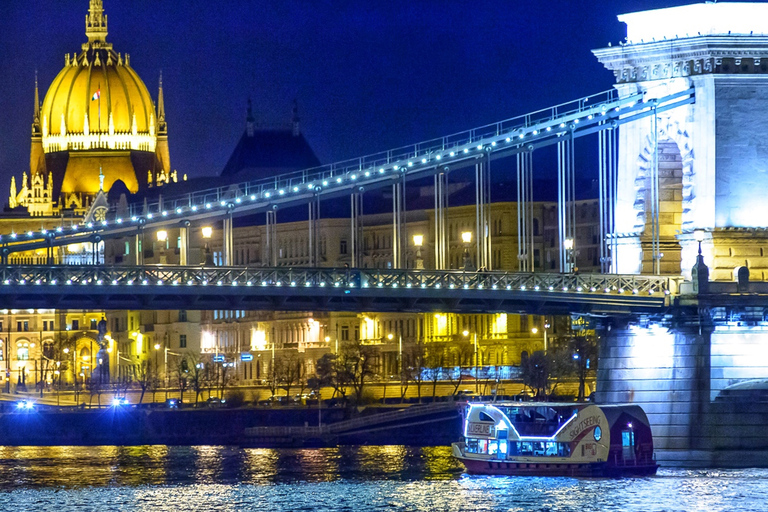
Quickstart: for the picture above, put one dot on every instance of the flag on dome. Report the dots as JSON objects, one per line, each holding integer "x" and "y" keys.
{"x": 96, "y": 95}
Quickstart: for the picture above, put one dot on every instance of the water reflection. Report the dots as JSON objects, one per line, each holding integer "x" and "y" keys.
{"x": 354, "y": 479}
{"x": 133, "y": 466}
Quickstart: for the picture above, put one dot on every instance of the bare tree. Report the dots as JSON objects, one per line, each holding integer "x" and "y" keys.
{"x": 535, "y": 373}
{"x": 143, "y": 375}
{"x": 434, "y": 363}
{"x": 197, "y": 374}
{"x": 287, "y": 371}
{"x": 357, "y": 365}
{"x": 181, "y": 372}
{"x": 327, "y": 374}
{"x": 95, "y": 387}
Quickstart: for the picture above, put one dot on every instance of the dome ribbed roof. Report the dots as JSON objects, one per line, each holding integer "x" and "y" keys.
{"x": 98, "y": 88}
{"x": 97, "y": 92}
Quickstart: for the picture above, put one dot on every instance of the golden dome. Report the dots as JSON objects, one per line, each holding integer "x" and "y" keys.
{"x": 98, "y": 101}
{"x": 99, "y": 84}
{"x": 97, "y": 125}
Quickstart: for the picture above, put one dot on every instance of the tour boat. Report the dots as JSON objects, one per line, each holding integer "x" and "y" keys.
{"x": 543, "y": 439}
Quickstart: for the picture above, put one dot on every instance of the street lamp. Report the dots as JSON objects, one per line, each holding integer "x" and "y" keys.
{"x": 699, "y": 235}
{"x": 157, "y": 368}
{"x": 568, "y": 246}
{"x": 466, "y": 237}
{"x": 207, "y": 232}
{"x": 418, "y": 240}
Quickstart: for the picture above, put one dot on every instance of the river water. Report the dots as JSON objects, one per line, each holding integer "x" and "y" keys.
{"x": 355, "y": 479}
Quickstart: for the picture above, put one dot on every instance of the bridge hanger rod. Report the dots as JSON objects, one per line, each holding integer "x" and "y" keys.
{"x": 503, "y": 138}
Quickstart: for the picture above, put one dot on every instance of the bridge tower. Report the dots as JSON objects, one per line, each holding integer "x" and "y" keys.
{"x": 691, "y": 184}
{"x": 700, "y": 168}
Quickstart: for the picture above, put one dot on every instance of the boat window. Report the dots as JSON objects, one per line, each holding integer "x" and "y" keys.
{"x": 540, "y": 449}
{"x": 485, "y": 417}
{"x": 476, "y": 445}
{"x": 628, "y": 444}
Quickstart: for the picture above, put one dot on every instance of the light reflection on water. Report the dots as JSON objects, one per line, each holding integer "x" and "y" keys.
{"x": 356, "y": 479}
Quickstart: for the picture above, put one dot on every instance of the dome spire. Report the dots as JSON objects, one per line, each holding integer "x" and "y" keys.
{"x": 96, "y": 23}
{"x": 162, "y": 127}
{"x": 36, "y": 117}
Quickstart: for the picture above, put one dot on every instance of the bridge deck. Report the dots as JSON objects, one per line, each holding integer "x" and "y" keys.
{"x": 287, "y": 289}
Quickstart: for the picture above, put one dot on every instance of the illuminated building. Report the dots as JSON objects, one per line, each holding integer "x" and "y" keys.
{"x": 96, "y": 129}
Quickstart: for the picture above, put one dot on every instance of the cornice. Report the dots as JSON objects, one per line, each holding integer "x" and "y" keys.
{"x": 730, "y": 55}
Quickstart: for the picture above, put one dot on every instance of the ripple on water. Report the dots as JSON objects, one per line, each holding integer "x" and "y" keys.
{"x": 354, "y": 479}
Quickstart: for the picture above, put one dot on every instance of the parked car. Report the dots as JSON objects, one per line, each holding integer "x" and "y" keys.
{"x": 215, "y": 401}
{"x": 278, "y": 400}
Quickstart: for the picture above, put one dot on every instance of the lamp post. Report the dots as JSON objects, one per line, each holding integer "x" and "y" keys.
{"x": 418, "y": 240}
{"x": 207, "y": 232}
{"x": 700, "y": 271}
{"x": 57, "y": 373}
{"x": 477, "y": 371}
{"x": 162, "y": 237}
{"x": 568, "y": 246}
{"x": 466, "y": 237}
{"x": 74, "y": 370}
{"x": 699, "y": 235}
{"x": 157, "y": 368}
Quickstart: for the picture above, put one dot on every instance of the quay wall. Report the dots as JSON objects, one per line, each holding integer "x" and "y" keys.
{"x": 130, "y": 426}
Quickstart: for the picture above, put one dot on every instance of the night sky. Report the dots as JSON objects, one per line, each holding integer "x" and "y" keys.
{"x": 368, "y": 75}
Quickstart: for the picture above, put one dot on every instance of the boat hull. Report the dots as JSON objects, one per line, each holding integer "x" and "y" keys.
{"x": 580, "y": 469}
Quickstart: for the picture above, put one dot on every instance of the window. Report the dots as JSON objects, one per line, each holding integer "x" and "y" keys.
{"x": 182, "y": 315}
{"x": 22, "y": 326}
{"x": 93, "y": 324}
{"x": 182, "y": 341}
{"x": 343, "y": 247}
{"x": 344, "y": 333}
{"x": 75, "y": 325}
{"x": 22, "y": 354}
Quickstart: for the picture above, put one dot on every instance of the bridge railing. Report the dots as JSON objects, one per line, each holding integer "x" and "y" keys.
{"x": 322, "y": 176}
{"x": 336, "y": 278}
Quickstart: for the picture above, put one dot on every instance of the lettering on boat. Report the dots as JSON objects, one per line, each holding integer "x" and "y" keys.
{"x": 586, "y": 423}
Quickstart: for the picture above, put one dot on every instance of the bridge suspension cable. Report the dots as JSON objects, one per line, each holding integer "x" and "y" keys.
{"x": 504, "y": 138}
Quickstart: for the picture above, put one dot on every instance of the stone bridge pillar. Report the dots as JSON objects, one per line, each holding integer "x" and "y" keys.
{"x": 665, "y": 370}
{"x": 700, "y": 372}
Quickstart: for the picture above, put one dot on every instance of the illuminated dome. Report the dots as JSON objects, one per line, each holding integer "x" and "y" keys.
{"x": 98, "y": 94}
{"x": 96, "y": 126}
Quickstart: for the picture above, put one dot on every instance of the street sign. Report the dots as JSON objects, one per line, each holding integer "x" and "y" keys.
{"x": 582, "y": 323}
{"x": 219, "y": 358}
{"x": 245, "y": 356}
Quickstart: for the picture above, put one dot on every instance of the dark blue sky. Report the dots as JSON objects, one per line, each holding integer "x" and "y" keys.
{"x": 368, "y": 75}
